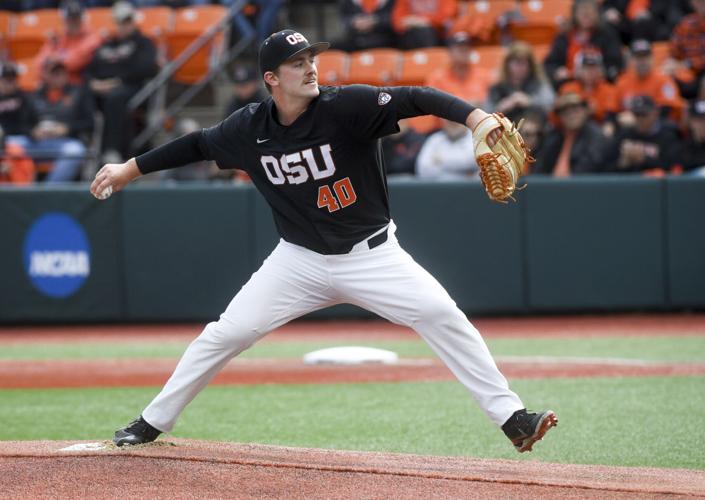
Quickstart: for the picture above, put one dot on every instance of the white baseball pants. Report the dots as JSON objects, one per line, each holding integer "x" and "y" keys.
{"x": 294, "y": 281}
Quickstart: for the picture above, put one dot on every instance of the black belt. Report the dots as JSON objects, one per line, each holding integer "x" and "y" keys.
{"x": 377, "y": 239}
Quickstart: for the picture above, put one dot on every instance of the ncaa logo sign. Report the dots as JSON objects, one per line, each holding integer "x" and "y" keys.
{"x": 57, "y": 255}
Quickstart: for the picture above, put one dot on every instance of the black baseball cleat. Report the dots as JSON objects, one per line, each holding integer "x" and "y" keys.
{"x": 136, "y": 432}
{"x": 524, "y": 428}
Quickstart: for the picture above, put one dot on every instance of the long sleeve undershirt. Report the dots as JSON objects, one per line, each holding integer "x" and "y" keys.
{"x": 415, "y": 101}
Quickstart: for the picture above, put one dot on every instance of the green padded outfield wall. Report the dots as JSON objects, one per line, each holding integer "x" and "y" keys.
{"x": 595, "y": 243}
{"x": 685, "y": 201}
{"x": 187, "y": 250}
{"x": 180, "y": 253}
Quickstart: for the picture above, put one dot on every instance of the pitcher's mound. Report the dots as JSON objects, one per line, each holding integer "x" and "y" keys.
{"x": 177, "y": 468}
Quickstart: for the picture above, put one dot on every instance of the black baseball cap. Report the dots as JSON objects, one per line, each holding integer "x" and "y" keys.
{"x": 459, "y": 38}
{"x": 244, "y": 74}
{"x": 697, "y": 109}
{"x": 284, "y": 45}
{"x": 72, "y": 9}
{"x": 640, "y": 47}
{"x": 642, "y": 104}
{"x": 589, "y": 58}
{"x": 8, "y": 70}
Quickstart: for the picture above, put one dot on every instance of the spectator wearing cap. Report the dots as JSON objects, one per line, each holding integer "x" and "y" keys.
{"x": 576, "y": 145}
{"x": 422, "y": 23}
{"x": 691, "y": 153}
{"x": 641, "y": 78}
{"x": 522, "y": 84}
{"x": 688, "y": 50}
{"x": 460, "y": 78}
{"x": 246, "y": 89}
{"x": 120, "y": 66}
{"x": 74, "y": 46}
{"x": 16, "y": 116}
{"x": 64, "y": 117}
{"x": 650, "y": 146}
{"x": 367, "y": 24}
{"x": 15, "y": 166}
{"x": 587, "y": 33}
{"x": 600, "y": 94}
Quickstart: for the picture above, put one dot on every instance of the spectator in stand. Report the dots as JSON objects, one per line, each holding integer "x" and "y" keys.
{"x": 16, "y": 116}
{"x": 576, "y": 145}
{"x": 691, "y": 152}
{"x": 641, "y": 78}
{"x": 422, "y": 23}
{"x": 174, "y": 4}
{"x": 650, "y": 146}
{"x": 587, "y": 32}
{"x": 647, "y": 19}
{"x": 688, "y": 50}
{"x": 74, "y": 47}
{"x": 533, "y": 130}
{"x": 522, "y": 84}
{"x": 15, "y": 166}
{"x": 367, "y": 24}
{"x": 447, "y": 154}
{"x": 118, "y": 70}
{"x": 246, "y": 89}
{"x": 265, "y": 14}
{"x": 64, "y": 117}
{"x": 590, "y": 83}
{"x": 461, "y": 78}
{"x": 401, "y": 149}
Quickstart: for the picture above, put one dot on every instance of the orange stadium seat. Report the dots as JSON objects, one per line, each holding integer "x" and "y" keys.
{"x": 189, "y": 24}
{"x": 155, "y": 22}
{"x": 540, "y": 20}
{"x": 27, "y": 75}
{"x": 479, "y": 19}
{"x": 99, "y": 19}
{"x": 417, "y": 64}
{"x": 375, "y": 66}
{"x": 332, "y": 67}
{"x": 31, "y": 29}
{"x": 489, "y": 57}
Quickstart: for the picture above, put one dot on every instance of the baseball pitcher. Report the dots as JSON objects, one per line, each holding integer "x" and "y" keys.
{"x": 313, "y": 152}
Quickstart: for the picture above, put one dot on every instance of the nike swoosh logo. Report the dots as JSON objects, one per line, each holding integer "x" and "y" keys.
{"x": 260, "y": 141}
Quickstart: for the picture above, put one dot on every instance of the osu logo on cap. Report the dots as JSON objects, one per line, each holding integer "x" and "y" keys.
{"x": 57, "y": 255}
{"x": 295, "y": 38}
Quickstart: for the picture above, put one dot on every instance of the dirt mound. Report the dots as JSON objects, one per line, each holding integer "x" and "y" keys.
{"x": 178, "y": 468}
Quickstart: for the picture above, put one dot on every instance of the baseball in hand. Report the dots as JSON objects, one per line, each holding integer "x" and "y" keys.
{"x": 105, "y": 194}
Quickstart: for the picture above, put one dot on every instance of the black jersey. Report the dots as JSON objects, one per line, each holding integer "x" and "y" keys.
{"x": 323, "y": 175}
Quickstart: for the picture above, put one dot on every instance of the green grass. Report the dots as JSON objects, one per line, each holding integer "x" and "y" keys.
{"x": 665, "y": 349}
{"x": 613, "y": 421}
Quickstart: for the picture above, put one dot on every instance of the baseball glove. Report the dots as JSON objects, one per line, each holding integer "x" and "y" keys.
{"x": 504, "y": 162}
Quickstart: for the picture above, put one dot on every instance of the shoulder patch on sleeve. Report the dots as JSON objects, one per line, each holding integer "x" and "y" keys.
{"x": 383, "y": 98}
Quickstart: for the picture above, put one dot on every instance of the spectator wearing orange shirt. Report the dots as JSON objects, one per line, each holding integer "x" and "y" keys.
{"x": 422, "y": 23}
{"x": 688, "y": 49}
{"x": 15, "y": 166}
{"x": 590, "y": 83}
{"x": 461, "y": 78}
{"x": 641, "y": 78}
{"x": 587, "y": 33}
{"x": 74, "y": 47}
